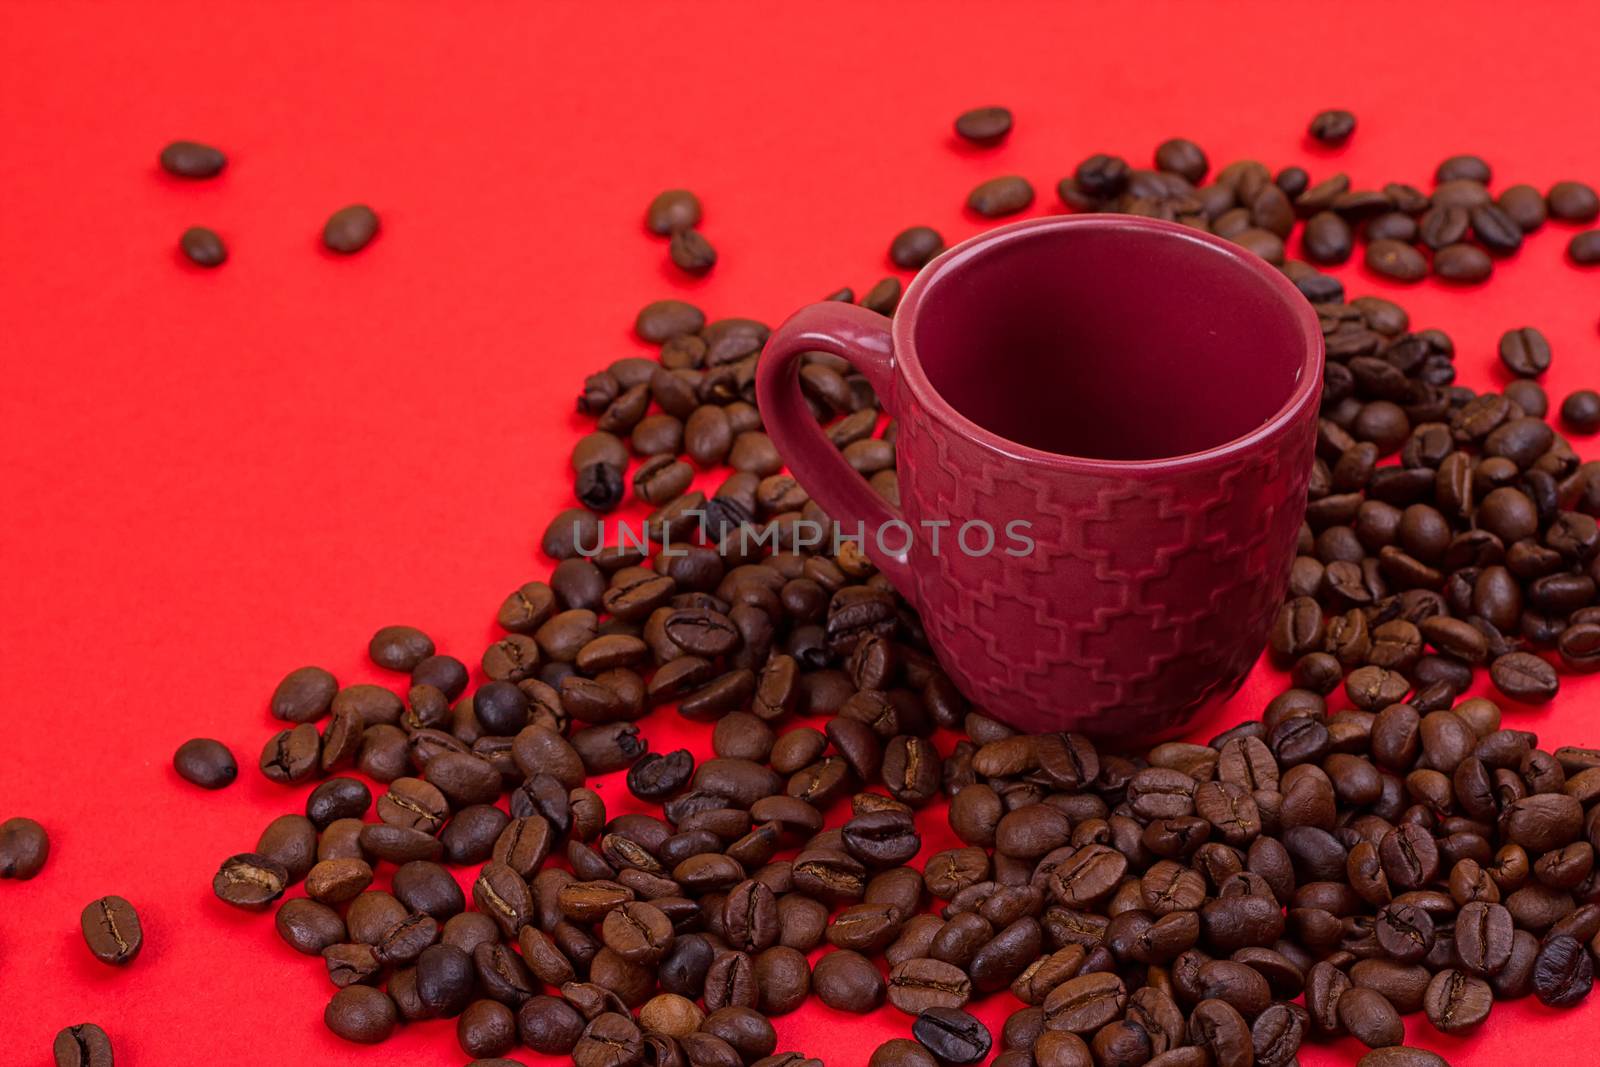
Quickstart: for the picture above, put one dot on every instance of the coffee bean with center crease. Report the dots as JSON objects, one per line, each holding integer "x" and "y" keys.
{"x": 610, "y": 1040}
{"x": 1525, "y": 352}
{"x": 1456, "y": 1002}
{"x": 112, "y": 930}
{"x": 918, "y": 984}
{"x": 952, "y": 1035}
{"x": 249, "y": 880}
{"x": 638, "y": 932}
{"x": 83, "y": 1045}
{"x": 1215, "y": 1026}
{"x": 24, "y": 847}
{"x": 1524, "y": 676}
{"x": 1369, "y": 1018}
{"x": 1483, "y": 937}
{"x": 292, "y": 756}
{"x": 1563, "y": 972}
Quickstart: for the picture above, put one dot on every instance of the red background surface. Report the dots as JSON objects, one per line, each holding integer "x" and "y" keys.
{"x": 214, "y": 477}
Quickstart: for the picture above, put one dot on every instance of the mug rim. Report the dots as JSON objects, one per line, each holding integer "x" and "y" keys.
{"x": 933, "y": 403}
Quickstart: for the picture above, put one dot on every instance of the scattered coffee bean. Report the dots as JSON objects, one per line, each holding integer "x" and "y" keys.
{"x": 999, "y": 197}
{"x": 672, "y": 211}
{"x": 191, "y": 159}
{"x": 913, "y": 248}
{"x": 1573, "y": 202}
{"x": 83, "y": 1045}
{"x": 206, "y": 763}
{"x": 1525, "y": 352}
{"x": 1581, "y": 410}
{"x": 112, "y": 931}
{"x": 1584, "y": 248}
{"x": 985, "y": 126}
{"x": 692, "y": 252}
{"x": 203, "y": 247}
{"x": 1332, "y": 127}
{"x": 350, "y": 229}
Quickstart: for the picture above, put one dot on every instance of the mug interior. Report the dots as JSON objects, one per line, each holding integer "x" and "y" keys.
{"x": 1110, "y": 342}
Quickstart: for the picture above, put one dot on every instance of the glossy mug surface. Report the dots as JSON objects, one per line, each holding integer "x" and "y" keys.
{"x": 1142, "y": 398}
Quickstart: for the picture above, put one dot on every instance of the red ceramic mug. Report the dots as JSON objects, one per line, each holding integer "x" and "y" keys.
{"x": 1142, "y": 398}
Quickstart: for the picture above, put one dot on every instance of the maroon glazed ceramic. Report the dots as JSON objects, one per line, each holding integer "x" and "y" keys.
{"x": 1143, "y": 397}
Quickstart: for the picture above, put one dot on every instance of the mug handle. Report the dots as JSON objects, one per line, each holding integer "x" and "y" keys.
{"x": 862, "y": 338}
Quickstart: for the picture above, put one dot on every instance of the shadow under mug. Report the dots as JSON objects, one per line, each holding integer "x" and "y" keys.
{"x": 1105, "y": 431}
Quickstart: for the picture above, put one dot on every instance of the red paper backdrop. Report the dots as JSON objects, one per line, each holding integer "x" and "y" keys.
{"x": 212, "y": 477}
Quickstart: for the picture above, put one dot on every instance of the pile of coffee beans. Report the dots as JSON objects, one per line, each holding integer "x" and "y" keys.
{"x": 1315, "y": 873}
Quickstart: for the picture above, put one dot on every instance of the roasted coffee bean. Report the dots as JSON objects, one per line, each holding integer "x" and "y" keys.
{"x": 1525, "y": 352}
{"x": 249, "y": 880}
{"x": 24, "y": 847}
{"x": 337, "y": 798}
{"x": 309, "y": 927}
{"x": 1580, "y": 411}
{"x": 203, "y": 247}
{"x": 1370, "y": 1018}
{"x": 1396, "y": 260}
{"x": 952, "y": 1035}
{"x": 551, "y": 1026}
{"x": 1563, "y": 972}
{"x": 999, "y": 197}
{"x": 112, "y": 930}
{"x": 656, "y": 777}
{"x": 362, "y": 1014}
{"x": 1573, "y": 202}
{"x": 191, "y": 159}
{"x": 207, "y": 763}
{"x": 1456, "y": 1002}
{"x": 911, "y": 249}
{"x": 486, "y": 1029}
{"x": 691, "y": 251}
{"x": 1462, "y": 263}
{"x": 1524, "y": 676}
{"x": 1215, "y": 1026}
{"x": 292, "y": 756}
{"x": 847, "y": 981}
{"x": 1332, "y": 127}
{"x": 672, "y": 210}
{"x": 986, "y": 126}
{"x": 350, "y": 229}
{"x": 917, "y": 984}
{"x": 400, "y": 648}
{"x": 83, "y": 1045}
